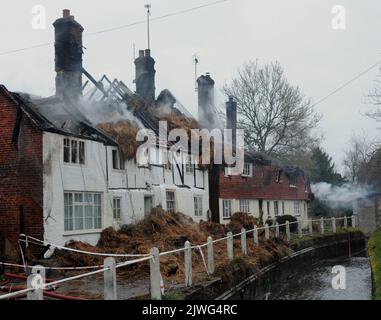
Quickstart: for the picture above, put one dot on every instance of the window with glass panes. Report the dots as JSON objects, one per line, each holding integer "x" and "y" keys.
{"x": 244, "y": 205}
{"x": 116, "y": 208}
{"x": 197, "y": 206}
{"x": 82, "y": 210}
{"x": 73, "y": 151}
{"x": 276, "y": 209}
{"x": 297, "y": 207}
{"x": 189, "y": 164}
{"x": 117, "y": 160}
{"x": 247, "y": 170}
{"x": 227, "y": 208}
{"x": 171, "y": 202}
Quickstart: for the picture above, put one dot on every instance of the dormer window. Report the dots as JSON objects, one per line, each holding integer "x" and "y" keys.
{"x": 74, "y": 151}
{"x": 117, "y": 160}
{"x": 247, "y": 170}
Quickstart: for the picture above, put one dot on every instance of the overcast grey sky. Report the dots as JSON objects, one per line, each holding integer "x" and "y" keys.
{"x": 297, "y": 33}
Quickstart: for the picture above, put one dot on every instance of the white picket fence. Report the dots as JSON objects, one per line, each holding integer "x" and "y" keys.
{"x": 36, "y": 280}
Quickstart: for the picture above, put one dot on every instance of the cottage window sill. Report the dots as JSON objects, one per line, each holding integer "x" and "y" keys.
{"x": 81, "y": 232}
{"x": 74, "y": 165}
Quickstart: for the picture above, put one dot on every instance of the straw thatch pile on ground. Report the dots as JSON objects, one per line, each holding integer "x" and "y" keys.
{"x": 167, "y": 232}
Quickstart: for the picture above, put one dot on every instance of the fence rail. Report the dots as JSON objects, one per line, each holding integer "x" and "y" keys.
{"x": 36, "y": 283}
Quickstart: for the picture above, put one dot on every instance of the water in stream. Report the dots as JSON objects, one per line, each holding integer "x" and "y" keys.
{"x": 316, "y": 283}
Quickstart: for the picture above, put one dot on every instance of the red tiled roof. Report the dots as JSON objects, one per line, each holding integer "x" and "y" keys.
{"x": 263, "y": 185}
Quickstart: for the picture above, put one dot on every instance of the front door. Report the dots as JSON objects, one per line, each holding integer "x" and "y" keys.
{"x": 148, "y": 204}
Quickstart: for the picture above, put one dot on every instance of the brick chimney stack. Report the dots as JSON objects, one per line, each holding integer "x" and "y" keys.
{"x": 68, "y": 56}
{"x": 206, "y": 116}
{"x": 231, "y": 117}
{"x": 145, "y": 75}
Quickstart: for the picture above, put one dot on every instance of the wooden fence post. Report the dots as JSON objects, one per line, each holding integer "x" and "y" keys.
{"x": 110, "y": 279}
{"x": 310, "y": 227}
{"x": 267, "y": 232}
{"x": 300, "y": 230}
{"x": 243, "y": 242}
{"x": 35, "y": 281}
{"x": 39, "y": 269}
{"x": 210, "y": 256}
{"x": 353, "y": 221}
{"x": 288, "y": 233}
{"x": 333, "y": 224}
{"x": 322, "y": 225}
{"x": 255, "y": 235}
{"x": 188, "y": 264}
{"x": 155, "y": 277}
{"x": 230, "y": 246}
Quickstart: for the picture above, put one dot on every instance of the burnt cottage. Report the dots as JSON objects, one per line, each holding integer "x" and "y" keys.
{"x": 64, "y": 176}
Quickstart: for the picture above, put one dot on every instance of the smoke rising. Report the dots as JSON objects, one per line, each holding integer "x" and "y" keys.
{"x": 341, "y": 196}
{"x": 104, "y": 112}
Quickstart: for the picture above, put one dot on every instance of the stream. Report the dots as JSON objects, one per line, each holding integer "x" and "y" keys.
{"x": 315, "y": 283}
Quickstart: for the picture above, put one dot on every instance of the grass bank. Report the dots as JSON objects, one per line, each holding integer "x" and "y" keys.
{"x": 374, "y": 250}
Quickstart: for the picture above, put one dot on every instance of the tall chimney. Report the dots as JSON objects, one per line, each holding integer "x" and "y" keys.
{"x": 231, "y": 117}
{"x": 68, "y": 56}
{"x": 206, "y": 116}
{"x": 145, "y": 75}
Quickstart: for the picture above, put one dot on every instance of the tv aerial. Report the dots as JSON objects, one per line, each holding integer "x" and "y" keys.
{"x": 196, "y": 62}
{"x": 148, "y": 7}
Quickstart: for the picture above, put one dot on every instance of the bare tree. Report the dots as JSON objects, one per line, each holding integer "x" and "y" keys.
{"x": 374, "y": 98}
{"x": 275, "y": 115}
{"x": 360, "y": 151}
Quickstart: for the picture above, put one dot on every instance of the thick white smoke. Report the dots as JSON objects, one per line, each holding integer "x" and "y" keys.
{"x": 102, "y": 112}
{"x": 341, "y": 196}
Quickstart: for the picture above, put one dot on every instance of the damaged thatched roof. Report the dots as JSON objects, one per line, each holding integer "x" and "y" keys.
{"x": 52, "y": 115}
{"x": 124, "y": 133}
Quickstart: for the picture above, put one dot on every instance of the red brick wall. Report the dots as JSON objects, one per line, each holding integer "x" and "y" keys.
{"x": 20, "y": 174}
{"x": 262, "y": 185}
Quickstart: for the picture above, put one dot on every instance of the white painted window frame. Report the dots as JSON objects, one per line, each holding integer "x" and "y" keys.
{"x": 198, "y": 209}
{"x": 230, "y": 207}
{"x": 244, "y": 205}
{"x": 247, "y": 170}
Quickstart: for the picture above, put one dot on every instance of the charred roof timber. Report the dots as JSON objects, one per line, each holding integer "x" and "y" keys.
{"x": 68, "y": 56}
{"x": 206, "y": 115}
{"x": 145, "y": 75}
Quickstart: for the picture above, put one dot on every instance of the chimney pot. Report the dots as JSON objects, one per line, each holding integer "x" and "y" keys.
{"x": 206, "y": 116}
{"x": 66, "y": 13}
{"x": 68, "y": 56}
{"x": 145, "y": 75}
